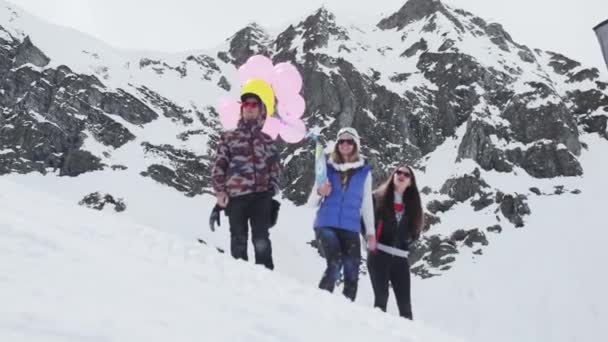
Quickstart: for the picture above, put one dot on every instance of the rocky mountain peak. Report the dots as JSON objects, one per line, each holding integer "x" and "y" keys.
{"x": 315, "y": 31}
{"x": 412, "y": 10}
{"x": 252, "y": 39}
{"x": 319, "y": 27}
{"x": 29, "y": 53}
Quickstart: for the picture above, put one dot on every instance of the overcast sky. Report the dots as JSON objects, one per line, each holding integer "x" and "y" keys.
{"x": 563, "y": 26}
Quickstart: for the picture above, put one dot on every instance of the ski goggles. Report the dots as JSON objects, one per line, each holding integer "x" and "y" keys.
{"x": 251, "y": 105}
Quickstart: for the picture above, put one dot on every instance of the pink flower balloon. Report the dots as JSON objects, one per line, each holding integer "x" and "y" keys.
{"x": 292, "y": 130}
{"x": 229, "y": 113}
{"x": 292, "y": 106}
{"x": 286, "y": 84}
{"x": 256, "y": 67}
{"x": 286, "y": 80}
{"x": 272, "y": 126}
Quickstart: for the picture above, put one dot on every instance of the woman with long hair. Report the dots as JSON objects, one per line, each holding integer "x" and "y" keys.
{"x": 344, "y": 199}
{"x": 398, "y": 220}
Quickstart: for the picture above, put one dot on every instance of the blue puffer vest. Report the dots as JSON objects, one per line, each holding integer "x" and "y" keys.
{"x": 342, "y": 208}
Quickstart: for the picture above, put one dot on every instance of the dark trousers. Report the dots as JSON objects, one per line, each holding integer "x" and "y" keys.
{"x": 254, "y": 209}
{"x": 384, "y": 268}
{"x": 342, "y": 249}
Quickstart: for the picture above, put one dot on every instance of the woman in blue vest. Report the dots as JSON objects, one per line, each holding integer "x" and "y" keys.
{"x": 399, "y": 221}
{"x": 343, "y": 201}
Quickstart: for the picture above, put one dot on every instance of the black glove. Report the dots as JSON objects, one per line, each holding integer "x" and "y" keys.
{"x": 215, "y": 217}
{"x": 274, "y": 214}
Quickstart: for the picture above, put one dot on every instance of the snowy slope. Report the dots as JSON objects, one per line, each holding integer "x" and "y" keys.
{"x": 545, "y": 282}
{"x": 72, "y": 274}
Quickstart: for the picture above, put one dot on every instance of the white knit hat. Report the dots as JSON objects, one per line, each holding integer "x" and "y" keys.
{"x": 351, "y": 132}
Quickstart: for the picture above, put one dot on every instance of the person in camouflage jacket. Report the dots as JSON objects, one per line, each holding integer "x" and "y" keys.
{"x": 245, "y": 178}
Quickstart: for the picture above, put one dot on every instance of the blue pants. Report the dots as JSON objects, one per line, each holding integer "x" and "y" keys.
{"x": 342, "y": 249}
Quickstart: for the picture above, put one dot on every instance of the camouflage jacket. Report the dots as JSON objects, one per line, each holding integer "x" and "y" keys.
{"x": 247, "y": 161}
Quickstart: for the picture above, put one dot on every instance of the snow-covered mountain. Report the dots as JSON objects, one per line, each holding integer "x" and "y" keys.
{"x": 503, "y": 136}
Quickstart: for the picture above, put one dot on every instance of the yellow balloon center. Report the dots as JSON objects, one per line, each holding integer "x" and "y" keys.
{"x": 262, "y": 89}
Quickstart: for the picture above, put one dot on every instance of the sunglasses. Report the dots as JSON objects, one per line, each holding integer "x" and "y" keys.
{"x": 350, "y": 142}
{"x": 403, "y": 173}
{"x": 251, "y": 105}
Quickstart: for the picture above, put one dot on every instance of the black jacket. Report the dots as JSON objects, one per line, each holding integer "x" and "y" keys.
{"x": 389, "y": 232}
